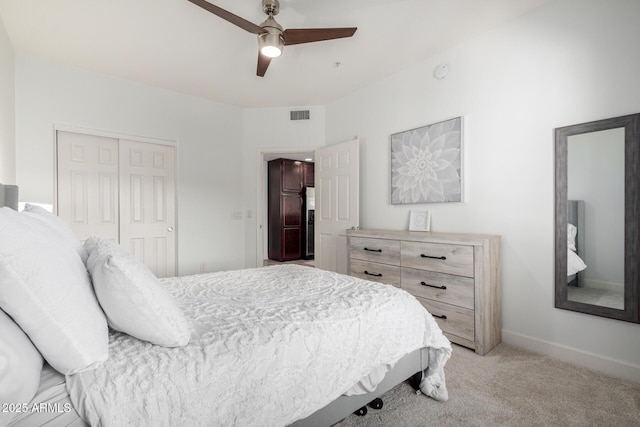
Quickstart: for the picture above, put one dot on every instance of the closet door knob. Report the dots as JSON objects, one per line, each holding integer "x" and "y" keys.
{"x": 169, "y": 229}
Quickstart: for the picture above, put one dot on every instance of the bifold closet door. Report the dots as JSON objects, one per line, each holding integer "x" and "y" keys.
{"x": 87, "y": 168}
{"x": 147, "y": 204}
{"x": 120, "y": 190}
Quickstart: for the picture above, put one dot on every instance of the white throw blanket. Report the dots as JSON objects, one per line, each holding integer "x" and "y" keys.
{"x": 269, "y": 346}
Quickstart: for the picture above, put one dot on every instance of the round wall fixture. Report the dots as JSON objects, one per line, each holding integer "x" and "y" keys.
{"x": 441, "y": 71}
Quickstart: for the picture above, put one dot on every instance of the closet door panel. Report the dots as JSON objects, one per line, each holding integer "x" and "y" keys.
{"x": 87, "y": 184}
{"x": 147, "y": 197}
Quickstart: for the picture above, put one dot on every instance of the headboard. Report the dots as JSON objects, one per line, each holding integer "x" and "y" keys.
{"x": 9, "y": 196}
{"x": 575, "y": 216}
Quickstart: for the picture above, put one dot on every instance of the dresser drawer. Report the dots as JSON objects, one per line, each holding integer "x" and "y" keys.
{"x": 376, "y": 250}
{"x": 458, "y": 321}
{"x": 383, "y": 273}
{"x": 447, "y": 288}
{"x": 442, "y": 258}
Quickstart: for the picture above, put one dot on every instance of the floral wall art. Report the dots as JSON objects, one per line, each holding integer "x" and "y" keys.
{"x": 426, "y": 164}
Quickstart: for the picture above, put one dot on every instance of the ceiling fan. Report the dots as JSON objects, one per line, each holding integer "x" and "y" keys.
{"x": 271, "y": 36}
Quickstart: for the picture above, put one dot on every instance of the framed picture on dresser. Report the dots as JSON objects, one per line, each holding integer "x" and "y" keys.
{"x": 420, "y": 221}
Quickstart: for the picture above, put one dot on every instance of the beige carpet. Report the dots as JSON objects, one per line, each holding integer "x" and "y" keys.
{"x": 512, "y": 387}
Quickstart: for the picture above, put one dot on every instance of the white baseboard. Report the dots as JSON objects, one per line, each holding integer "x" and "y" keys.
{"x": 596, "y": 362}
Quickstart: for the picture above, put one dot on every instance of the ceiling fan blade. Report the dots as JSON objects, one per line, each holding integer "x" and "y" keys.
{"x": 228, "y": 16}
{"x": 263, "y": 64}
{"x": 308, "y": 35}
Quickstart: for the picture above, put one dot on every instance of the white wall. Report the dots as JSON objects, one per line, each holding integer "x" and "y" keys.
{"x": 569, "y": 62}
{"x": 271, "y": 130}
{"x": 209, "y": 147}
{"x": 7, "y": 110}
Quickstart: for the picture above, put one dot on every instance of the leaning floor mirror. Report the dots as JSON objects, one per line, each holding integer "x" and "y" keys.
{"x": 597, "y": 218}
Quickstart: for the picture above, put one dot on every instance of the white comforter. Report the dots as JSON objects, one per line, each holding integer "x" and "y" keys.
{"x": 269, "y": 346}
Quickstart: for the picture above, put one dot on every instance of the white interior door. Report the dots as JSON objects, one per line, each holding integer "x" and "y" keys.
{"x": 120, "y": 190}
{"x": 87, "y": 192}
{"x": 147, "y": 204}
{"x": 337, "y": 182}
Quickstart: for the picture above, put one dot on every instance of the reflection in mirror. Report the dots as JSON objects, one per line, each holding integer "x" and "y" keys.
{"x": 595, "y": 188}
{"x": 597, "y": 218}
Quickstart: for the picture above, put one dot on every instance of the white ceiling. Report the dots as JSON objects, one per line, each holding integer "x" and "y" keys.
{"x": 179, "y": 46}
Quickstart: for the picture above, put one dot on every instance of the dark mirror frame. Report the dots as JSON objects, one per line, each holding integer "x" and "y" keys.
{"x": 631, "y": 124}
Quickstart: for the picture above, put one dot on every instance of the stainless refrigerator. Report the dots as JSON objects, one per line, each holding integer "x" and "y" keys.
{"x": 309, "y": 218}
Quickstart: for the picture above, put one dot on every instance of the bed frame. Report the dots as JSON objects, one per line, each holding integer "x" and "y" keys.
{"x": 575, "y": 216}
{"x": 339, "y": 409}
{"x": 411, "y": 364}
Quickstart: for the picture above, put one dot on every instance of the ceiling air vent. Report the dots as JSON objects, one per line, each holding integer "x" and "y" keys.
{"x": 300, "y": 115}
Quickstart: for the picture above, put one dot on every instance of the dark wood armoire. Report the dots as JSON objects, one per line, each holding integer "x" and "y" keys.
{"x": 286, "y": 229}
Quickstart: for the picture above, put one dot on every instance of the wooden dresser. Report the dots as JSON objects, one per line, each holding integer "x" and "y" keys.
{"x": 455, "y": 276}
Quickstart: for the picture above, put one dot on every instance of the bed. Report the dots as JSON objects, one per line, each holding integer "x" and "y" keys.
{"x": 575, "y": 243}
{"x": 280, "y": 345}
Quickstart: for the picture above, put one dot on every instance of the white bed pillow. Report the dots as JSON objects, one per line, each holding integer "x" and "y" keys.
{"x": 20, "y": 367}
{"x": 45, "y": 288}
{"x": 572, "y": 232}
{"x": 133, "y": 299}
{"x": 58, "y": 226}
{"x": 574, "y": 263}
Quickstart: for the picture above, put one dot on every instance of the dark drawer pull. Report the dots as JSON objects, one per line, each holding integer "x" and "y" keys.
{"x": 373, "y": 250}
{"x": 373, "y": 274}
{"x": 443, "y": 317}
{"x": 433, "y": 257}
{"x": 433, "y": 286}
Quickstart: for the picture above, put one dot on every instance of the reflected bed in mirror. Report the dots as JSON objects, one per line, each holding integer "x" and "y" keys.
{"x": 597, "y": 212}
{"x": 586, "y": 284}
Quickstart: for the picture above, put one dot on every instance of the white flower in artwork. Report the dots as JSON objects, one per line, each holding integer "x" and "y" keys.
{"x": 425, "y": 164}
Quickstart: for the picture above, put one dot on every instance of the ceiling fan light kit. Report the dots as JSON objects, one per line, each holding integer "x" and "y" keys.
{"x": 271, "y": 45}
{"x": 270, "y": 39}
{"x": 271, "y": 36}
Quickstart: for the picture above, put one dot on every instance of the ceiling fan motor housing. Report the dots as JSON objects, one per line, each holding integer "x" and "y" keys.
{"x": 270, "y": 38}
